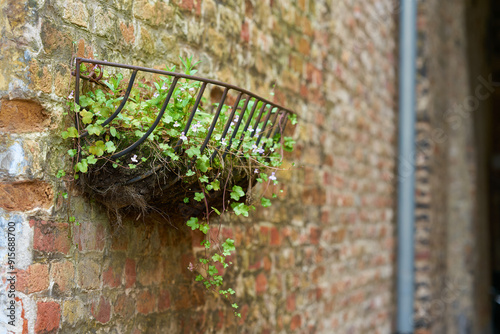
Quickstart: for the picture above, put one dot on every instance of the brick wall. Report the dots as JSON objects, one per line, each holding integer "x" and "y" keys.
{"x": 321, "y": 260}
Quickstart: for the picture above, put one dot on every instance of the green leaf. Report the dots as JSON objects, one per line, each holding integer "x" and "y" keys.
{"x": 98, "y": 148}
{"x": 94, "y": 129}
{"x": 292, "y": 118}
{"x": 265, "y": 202}
{"x": 110, "y": 147}
{"x": 237, "y": 193}
{"x": 191, "y": 152}
{"x": 215, "y": 184}
{"x": 193, "y": 223}
{"x": 131, "y": 166}
{"x": 228, "y": 247}
{"x": 72, "y": 219}
{"x": 199, "y": 196}
{"x": 240, "y": 209}
{"x": 212, "y": 270}
{"x": 190, "y": 173}
{"x": 199, "y": 278}
{"x": 81, "y": 166}
{"x": 87, "y": 116}
{"x": 186, "y": 200}
{"x": 204, "y": 228}
{"x": 71, "y": 132}
{"x": 91, "y": 159}
{"x": 204, "y": 179}
{"x": 203, "y": 163}
{"x": 112, "y": 130}
{"x": 234, "y": 305}
{"x": 72, "y": 152}
{"x": 216, "y": 211}
{"x": 60, "y": 173}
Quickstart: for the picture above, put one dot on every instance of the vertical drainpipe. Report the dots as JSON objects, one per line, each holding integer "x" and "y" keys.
{"x": 406, "y": 166}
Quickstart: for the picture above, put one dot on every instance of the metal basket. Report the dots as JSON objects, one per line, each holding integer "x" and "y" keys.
{"x": 268, "y": 108}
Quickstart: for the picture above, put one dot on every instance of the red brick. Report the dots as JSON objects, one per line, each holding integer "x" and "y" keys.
{"x": 33, "y": 279}
{"x": 275, "y": 237}
{"x": 163, "y": 300}
{"x": 48, "y": 317}
{"x": 290, "y": 303}
{"x": 146, "y": 302}
{"x": 186, "y": 4}
{"x": 130, "y": 273}
{"x": 51, "y": 237}
{"x": 111, "y": 277}
{"x": 89, "y": 236}
{"x": 245, "y": 32}
{"x": 62, "y": 274}
{"x": 296, "y": 322}
{"x": 101, "y": 310}
{"x": 260, "y": 283}
{"x": 315, "y": 234}
{"x": 23, "y": 116}
{"x": 124, "y": 306}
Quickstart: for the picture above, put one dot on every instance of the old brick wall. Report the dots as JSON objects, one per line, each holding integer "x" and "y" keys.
{"x": 320, "y": 260}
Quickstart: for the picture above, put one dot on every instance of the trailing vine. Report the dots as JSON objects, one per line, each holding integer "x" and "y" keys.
{"x": 222, "y": 168}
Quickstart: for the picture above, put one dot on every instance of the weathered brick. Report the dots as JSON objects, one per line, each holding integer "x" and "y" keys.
{"x": 124, "y": 306}
{"x": 48, "y": 316}
{"x": 25, "y": 195}
{"x": 130, "y": 273}
{"x": 34, "y": 279}
{"x": 62, "y": 275}
{"x": 89, "y": 272}
{"x": 20, "y": 116}
{"x": 146, "y": 302}
{"x": 101, "y": 310}
{"x": 50, "y": 237}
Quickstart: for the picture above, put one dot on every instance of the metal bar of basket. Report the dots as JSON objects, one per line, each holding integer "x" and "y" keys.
{"x": 181, "y": 75}
{"x": 191, "y": 116}
{"x": 214, "y": 121}
{"x": 122, "y": 104}
{"x": 273, "y": 124}
{"x": 150, "y": 130}
{"x": 240, "y": 119}
{"x": 77, "y": 90}
{"x": 228, "y": 124}
{"x": 247, "y": 124}
{"x": 257, "y": 121}
{"x": 265, "y": 124}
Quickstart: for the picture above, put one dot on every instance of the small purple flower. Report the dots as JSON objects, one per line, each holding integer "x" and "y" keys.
{"x": 155, "y": 95}
{"x": 134, "y": 158}
{"x": 176, "y": 125}
{"x": 250, "y": 129}
{"x": 183, "y": 137}
{"x": 223, "y": 141}
{"x": 164, "y": 87}
{"x": 256, "y": 171}
{"x": 70, "y": 96}
{"x": 190, "y": 267}
{"x": 272, "y": 177}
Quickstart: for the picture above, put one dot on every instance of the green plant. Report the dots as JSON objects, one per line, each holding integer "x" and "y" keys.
{"x": 205, "y": 168}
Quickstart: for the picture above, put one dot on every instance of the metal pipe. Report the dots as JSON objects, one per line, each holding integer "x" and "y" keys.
{"x": 406, "y": 167}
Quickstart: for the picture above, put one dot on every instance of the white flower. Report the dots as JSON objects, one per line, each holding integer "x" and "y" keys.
{"x": 164, "y": 87}
{"x": 183, "y": 137}
{"x": 176, "y": 125}
{"x": 223, "y": 141}
{"x": 70, "y": 96}
{"x": 250, "y": 129}
{"x": 272, "y": 177}
{"x": 256, "y": 171}
{"x": 134, "y": 158}
{"x": 155, "y": 95}
{"x": 191, "y": 89}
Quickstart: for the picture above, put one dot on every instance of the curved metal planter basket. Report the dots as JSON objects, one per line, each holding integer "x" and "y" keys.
{"x": 269, "y": 116}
